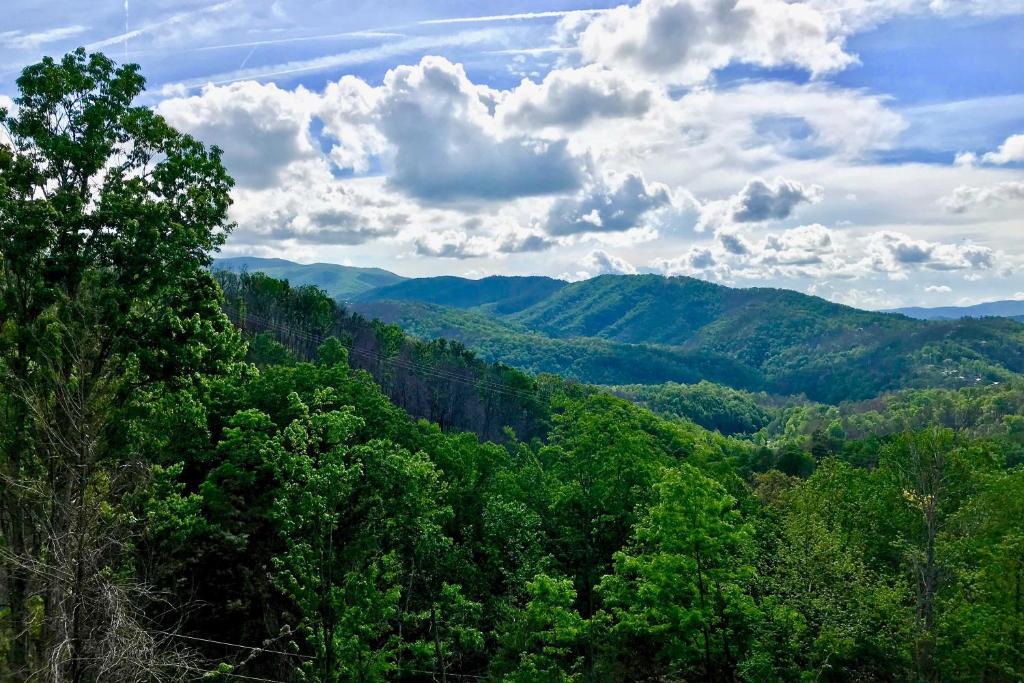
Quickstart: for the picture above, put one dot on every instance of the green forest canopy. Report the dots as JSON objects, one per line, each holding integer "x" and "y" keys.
{"x": 182, "y": 500}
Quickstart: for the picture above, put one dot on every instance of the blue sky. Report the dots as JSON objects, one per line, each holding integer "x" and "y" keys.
{"x": 868, "y": 151}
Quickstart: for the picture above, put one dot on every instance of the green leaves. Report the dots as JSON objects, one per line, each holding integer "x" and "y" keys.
{"x": 681, "y": 587}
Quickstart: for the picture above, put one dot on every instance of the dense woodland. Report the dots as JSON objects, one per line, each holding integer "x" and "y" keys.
{"x": 228, "y": 478}
{"x": 628, "y": 329}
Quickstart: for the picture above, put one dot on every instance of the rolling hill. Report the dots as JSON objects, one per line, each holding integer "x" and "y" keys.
{"x": 339, "y": 282}
{"x": 611, "y": 329}
{"x": 499, "y": 294}
{"x": 1010, "y": 308}
{"x": 645, "y": 329}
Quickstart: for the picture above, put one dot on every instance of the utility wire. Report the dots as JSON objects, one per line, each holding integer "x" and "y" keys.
{"x": 289, "y": 654}
{"x": 244, "y": 647}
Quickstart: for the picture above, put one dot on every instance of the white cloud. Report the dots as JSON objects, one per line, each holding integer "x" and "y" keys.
{"x": 517, "y": 241}
{"x": 1010, "y": 151}
{"x": 348, "y": 58}
{"x": 454, "y": 244}
{"x": 815, "y": 252}
{"x": 347, "y": 110}
{"x": 684, "y": 41}
{"x": 761, "y": 201}
{"x": 757, "y": 202}
{"x": 801, "y": 246}
{"x": 851, "y": 16}
{"x": 570, "y": 98}
{"x": 20, "y": 40}
{"x": 616, "y": 205}
{"x": 965, "y": 197}
{"x": 965, "y": 159}
{"x": 600, "y": 262}
{"x": 446, "y": 145}
{"x": 974, "y": 7}
{"x": 308, "y": 208}
{"x": 261, "y": 128}
{"x": 938, "y": 289}
{"x": 697, "y": 261}
{"x": 893, "y": 252}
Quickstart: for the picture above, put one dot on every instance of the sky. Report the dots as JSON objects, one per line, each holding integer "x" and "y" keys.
{"x": 867, "y": 151}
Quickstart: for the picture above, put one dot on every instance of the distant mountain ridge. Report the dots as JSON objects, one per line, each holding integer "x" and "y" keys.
{"x": 503, "y": 294}
{"x": 643, "y": 329}
{"x": 1009, "y": 308}
{"x": 623, "y": 329}
{"x": 339, "y": 282}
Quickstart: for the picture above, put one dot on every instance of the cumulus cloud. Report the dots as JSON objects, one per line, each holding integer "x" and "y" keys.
{"x": 938, "y": 289}
{"x": 518, "y": 241}
{"x": 600, "y": 262}
{"x": 616, "y": 205}
{"x": 965, "y": 197}
{"x": 261, "y": 128}
{"x": 309, "y": 209}
{"x": 965, "y": 159}
{"x": 446, "y": 145}
{"x": 893, "y": 252}
{"x": 347, "y": 110}
{"x": 733, "y": 243}
{"x": 759, "y": 201}
{"x": 452, "y": 244}
{"x": 570, "y": 98}
{"x": 817, "y": 252}
{"x": 801, "y": 246}
{"x": 684, "y": 41}
{"x": 1012, "y": 150}
{"x": 697, "y": 261}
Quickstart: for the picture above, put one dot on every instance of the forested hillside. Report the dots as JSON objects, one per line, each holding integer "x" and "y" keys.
{"x": 340, "y": 282}
{"x": 496, "y": 293}
{"x": 770, "y": 340}
{"x": 222, "y": 477}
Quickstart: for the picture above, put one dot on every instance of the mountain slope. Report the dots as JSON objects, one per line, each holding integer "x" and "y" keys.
{"x": 502, "y": 294}
{"x": 340, "y": 282}
{"x": 587, "y": 359}
{"x": 632, "y": 329}
{"x": 1010, "y": 308}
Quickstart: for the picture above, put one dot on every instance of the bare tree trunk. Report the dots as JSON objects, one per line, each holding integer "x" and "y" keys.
{"x": 93, "y": 624}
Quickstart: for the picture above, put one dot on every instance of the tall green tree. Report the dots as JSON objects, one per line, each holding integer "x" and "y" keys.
{"x": 108, "y": 218}
{"x": 678, "y": 599}
{"x": 980, "y": 624}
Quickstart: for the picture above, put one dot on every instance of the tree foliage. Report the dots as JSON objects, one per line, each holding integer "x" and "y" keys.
{"x": 321, "y": 498}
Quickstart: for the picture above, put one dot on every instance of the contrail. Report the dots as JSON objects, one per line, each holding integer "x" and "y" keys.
{"x": 126, "y": 34}
{"x": 246, "y": 60}
{"x": 511, "y": 17}
{"x": 298, "y": 39}
{"x": 172, "y": 20}
{"x": 349, "y": 58}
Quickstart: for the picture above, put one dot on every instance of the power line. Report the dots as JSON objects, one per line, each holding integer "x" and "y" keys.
{"x": 289, "y": 654}
{"x": 244, "y": 647}
{"x": 249, "y": 678}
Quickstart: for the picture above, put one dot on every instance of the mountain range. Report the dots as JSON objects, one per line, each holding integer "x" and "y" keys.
{"x": 339, "y": 282}
{"x": 645, "y": 329}
{"x": 1010, "y": 308}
